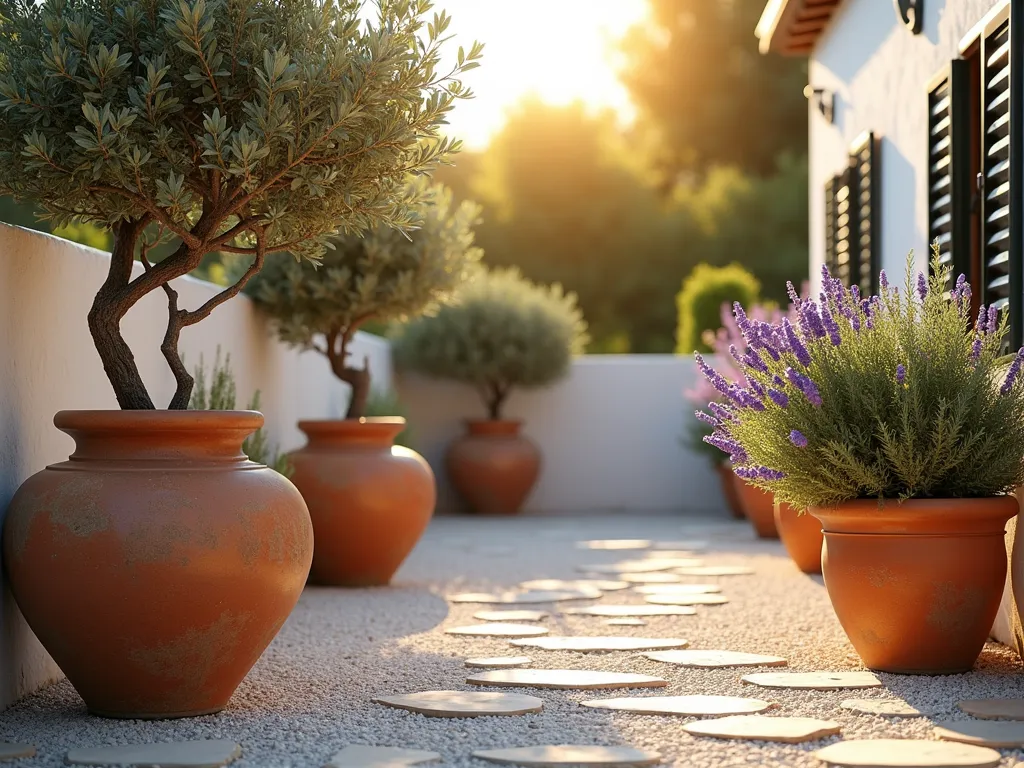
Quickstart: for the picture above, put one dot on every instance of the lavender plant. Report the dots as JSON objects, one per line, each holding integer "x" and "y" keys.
{"x": 894, "y": 396}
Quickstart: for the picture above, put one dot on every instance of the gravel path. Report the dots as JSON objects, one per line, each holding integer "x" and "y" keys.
{"x": 310, "y": 694}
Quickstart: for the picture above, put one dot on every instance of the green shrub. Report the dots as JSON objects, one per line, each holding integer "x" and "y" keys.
{"x": 388, "y": 404}
{"x": 889, "y": 397}
{"x": 383, "y": 275}
{"x": 699, "y": 302}
{"x": 221, "y": 396}
{"x": 501, "y": 333}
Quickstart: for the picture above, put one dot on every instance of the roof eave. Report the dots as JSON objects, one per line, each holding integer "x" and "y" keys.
{"x": 792, "y": 27}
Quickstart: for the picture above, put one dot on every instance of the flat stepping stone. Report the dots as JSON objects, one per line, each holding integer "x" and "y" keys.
{"x": 498, "y": 662}
{"x": 790, "y": 730}
{"x": 716, "y": 570}
{"x": 649, "y": 565}
{"x": 15, "y": 751}
{"x": 677, "y": 589}
{"x": 568, "y": 679}
{"x": 610, "y": 643}
{"x": 585, "y": 756}
{"x": 907, "y": 753}
{"x": 604, "y": 585}
{"x": 634, "y": 611}
{"x": 497, "y": 629}
{"x": 885, "y": 708}
{"x": 654, "y": 577}
{"x": 688, "y": 706}
{"x": 464, "y": 703}
{"x": 816, "y": 681}
{"x": 526, "y": 598}
{"x": 626, "y": 621}
{"x": 510, "y": 615}
{"x": 712, "y": 659}
{"x": 359, "y": 756}
{"x": 1000, "y": 734}
{"x": 614, "y": 544}
{"x": 172, "y": 754}
{"x": 687, "y": 544}
{"x": 990, "y": 709}
{"x": 686, "y": 599}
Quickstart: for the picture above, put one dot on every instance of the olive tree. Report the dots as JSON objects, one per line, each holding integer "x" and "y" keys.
{"x": 384, "y": 275}
{"x": 501, "y": 332}
{"x": 240, "y": 126}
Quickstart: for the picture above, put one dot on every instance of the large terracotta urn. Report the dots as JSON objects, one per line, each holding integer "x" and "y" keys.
{"x": 370, "y": 500}
{"x": 759, "y": 507}
{"x": 158, "y": 562}
{"x": 494, "y": 466}
{"x": 916, "y": 585}
{"x": 801, "y": 536}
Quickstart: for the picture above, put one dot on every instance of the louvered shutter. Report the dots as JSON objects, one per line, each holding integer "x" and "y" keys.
{"x": 864, "y": 211}
{"x": 830, "y": 224}
{"x": 999, "y": 271}
{"x": 949, "y": 166}
{"x": 844, "y": 209}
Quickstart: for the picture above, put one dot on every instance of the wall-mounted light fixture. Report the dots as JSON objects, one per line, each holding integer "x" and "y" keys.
{"x": 911, "y": 13}
{"x": 823, "y": 99}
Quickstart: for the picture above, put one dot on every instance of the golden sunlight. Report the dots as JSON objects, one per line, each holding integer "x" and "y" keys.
{"x": 560, "y": 50}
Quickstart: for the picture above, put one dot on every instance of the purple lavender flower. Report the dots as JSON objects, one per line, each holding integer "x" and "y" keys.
{"x": 810, "y": 321}
{"x": 753, "y": 360}
{"x": 713, "y": 376}
{"x": 722, "y": 443}
{"x": 981, "y": 324}
{"x": 922, "y": 286}
{"x": 901, "y": 373}
{"x": 855, "y": 321}
{"x": 795, "y": 345}
{"x": 707, "y": 419}
{"x": 755, "y": 387}
{"x": 830, "y": 326}
{"x": 781, "y": 399}
{"x": 855, "y": 294}
{"x": 976, "y": 349}
{"x": 723, "y": 412}
{"x": 758, "y": 473}
{"x": 794, "y": 297}
{"x": 1011, "y": 375}
{"x": 778, "y": 381}
{"x": 805, "y": 385}
{"x": 796, "y": 437}
{"x": 993, "y": 319}
{"x": 883, "y": 280}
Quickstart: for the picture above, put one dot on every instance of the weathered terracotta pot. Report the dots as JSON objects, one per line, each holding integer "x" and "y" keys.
{"x": 916, "y": 585}
{"x": 369, "y": 499}
{"x": 732, "y": 497}
{"x": 158, "y": 562}
{"x": 801, "y": 536}
{"x": 759, "y": 507}
{"x": 493, "y": 466}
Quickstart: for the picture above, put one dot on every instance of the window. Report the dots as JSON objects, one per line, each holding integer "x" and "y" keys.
{"x": 851, "y": 218}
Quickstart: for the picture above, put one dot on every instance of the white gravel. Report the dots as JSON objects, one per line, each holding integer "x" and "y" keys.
{"x": 309, "y": 695}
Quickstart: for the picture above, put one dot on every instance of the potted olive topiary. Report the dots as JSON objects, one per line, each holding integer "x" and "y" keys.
{"x": 158, "y": 564}
{"x": 894, "y": 420}
{"x": 502, "y": 333}
{"x": 369, "y": 500}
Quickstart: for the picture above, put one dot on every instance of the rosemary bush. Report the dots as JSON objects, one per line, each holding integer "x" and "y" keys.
{"x": 501, "y": 332}
{"x": 894, "y": 396}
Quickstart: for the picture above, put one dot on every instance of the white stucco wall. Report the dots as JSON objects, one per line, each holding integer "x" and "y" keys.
{"x": 879, "y": 73}
{"x": 48, "y": 363}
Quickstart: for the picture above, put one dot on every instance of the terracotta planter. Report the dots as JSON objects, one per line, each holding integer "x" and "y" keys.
{"x": 369, "y": 500}
{"x": 493, "y": 466}
{"x": 158, "y": 563}
{"x": 732, "y": 497}
{"x": 916, "y": 585}
{"x": 759, "y": 507}
{"x": 801, "y": 536}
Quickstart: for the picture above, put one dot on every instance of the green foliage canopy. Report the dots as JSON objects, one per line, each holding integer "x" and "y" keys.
{"x": 244, "y": 126}
{"x": 502, "y": 332}
{"x": 699, "y": 302}
{"x": 384, "y": 275}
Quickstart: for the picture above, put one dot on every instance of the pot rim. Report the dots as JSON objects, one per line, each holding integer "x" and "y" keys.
{"x": 362, "y": 421}
{"x": 470, "y": 421}
{"x": 922, "y": 517}
{"x": 158, "y": 420}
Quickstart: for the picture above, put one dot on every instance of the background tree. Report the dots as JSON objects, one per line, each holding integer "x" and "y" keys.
{"x": 700, "y": 301}
{"x": 383, "y": 276}
{"x": 230, "y": 125}
{"x": 707, "y": 93}
{"x": 503, "y": 332}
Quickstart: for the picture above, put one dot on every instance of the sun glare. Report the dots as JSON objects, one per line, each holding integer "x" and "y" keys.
{"x": 560, "y": 50}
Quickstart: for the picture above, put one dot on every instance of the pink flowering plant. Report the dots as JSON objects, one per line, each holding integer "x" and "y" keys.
{"x": 896, "y": 396}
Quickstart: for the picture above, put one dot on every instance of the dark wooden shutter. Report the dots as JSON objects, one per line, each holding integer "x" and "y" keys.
{"x": 844, "y": 210}
{"x": 864, "y": 212}
{"x": 1000, "y": 272}
{"x": 949, "y": 167}
{"x": 830, "y": 224}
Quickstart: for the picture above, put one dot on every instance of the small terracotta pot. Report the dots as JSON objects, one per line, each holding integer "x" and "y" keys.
{"x": 759, "y": 507}
{"x": 369, "y": 499}
{"x": 732, "y": 497}
{"x": 801, "y": 536}
{"x": 493, "y": 466}
{"x": 916, "y": 585}
{"x": 158, "y": 563}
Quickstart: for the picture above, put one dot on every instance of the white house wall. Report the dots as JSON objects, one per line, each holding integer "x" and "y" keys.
{"x": 879, "y": 73}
